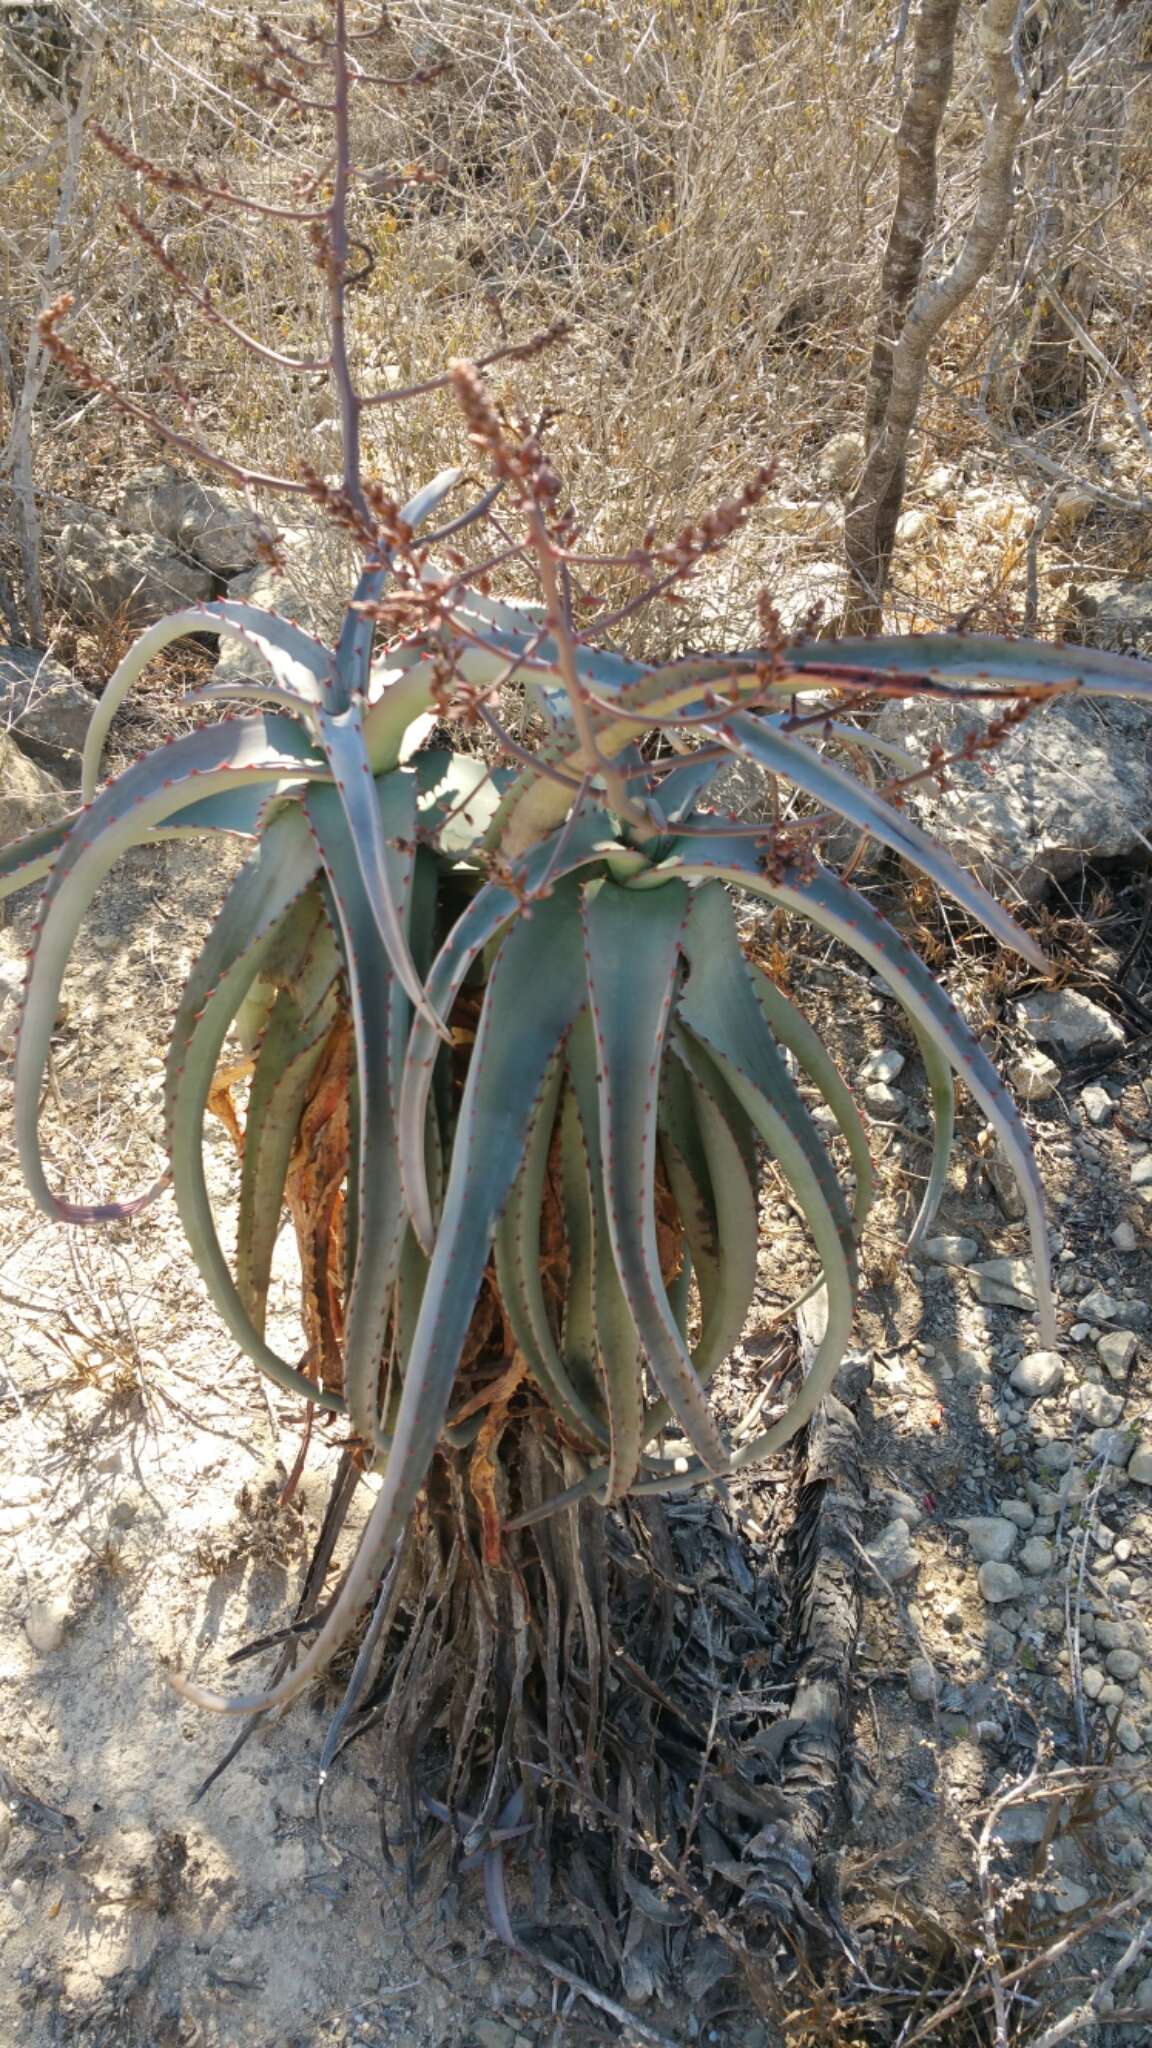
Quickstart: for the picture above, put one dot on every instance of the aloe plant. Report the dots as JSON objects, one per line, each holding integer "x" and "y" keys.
{"x": 623, "y": 1041}
{"x": 510, "y": 1067}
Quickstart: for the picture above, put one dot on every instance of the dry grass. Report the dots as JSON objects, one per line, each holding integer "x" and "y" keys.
{"x": 701, "y": 188}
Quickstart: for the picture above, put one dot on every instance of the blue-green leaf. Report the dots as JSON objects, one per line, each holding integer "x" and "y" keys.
{"x": 632, "y": 944}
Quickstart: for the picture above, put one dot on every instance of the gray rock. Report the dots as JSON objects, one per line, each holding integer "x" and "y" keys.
{"x": 1040, "y": 1373}
{"x": 990, "y": 1537}
{"x": 1124, "y": 1237}
{"x": 103, "y": 574}
{"x": 1005, "y": 1283}
{"x": 1034, "y": 1076}
{"x": 884, "y": 1065}
{"x": 894, "y": 1554}
{"x": 1099, "y": 1306}
{"x": 1069, "y": 1897}
{"x": 1056, "y": 1456}
{"x": 1099, "y": 1408}
{"x": 1022, "y": 1826}
{"x": 1093, "y": 1680}
{"x": 1123, "y": 1664}
{"x": 1072, "y": 784}
{"x": 492, "y": 2034}
{"x": 840, "y": 461}
{"x": 922, "y": 1682}
{"x": 884, "y": 1101}
{"x": 999, "y": 1582}
{"x": 900, "y": 1506}
{"x": 44, "y": 708}
{"x": 1037, "y": 1556}
{"x": 950, "y": 1251}
{"x": 1140, "y": 1464}
{"x": 1142, "y": 1996}
{"x": 1068, "y": 1020}
{"x": 211, "y": 525}
{"x": 28, "y": 795}
{"x": 1116, "y": 615}
{"x": 1128, "y": 1735}
{"x": 1113, "y": 1446}
{"x": 1097, "y": 1104}
{"x": 1019, "y": 1511}
{"x": 1116, "y": 1349}
{"x": 292, "y": 592}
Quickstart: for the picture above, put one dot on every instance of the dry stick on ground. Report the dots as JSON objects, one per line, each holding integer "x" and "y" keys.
{"x": 898, "y": 371}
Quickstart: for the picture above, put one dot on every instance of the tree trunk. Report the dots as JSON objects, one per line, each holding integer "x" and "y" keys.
{"x": 900, "y": 357}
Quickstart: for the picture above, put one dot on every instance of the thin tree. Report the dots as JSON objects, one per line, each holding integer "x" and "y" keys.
{"x": 913, "y": 310}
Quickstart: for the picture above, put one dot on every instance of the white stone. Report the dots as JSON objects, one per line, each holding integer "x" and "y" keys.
{"x": 46, "y": 1623}
{"x": 950, "y": 1251}
{"x": 999, "y": 1582}
{"x": 1097, "y": 1104}
{"x": 913, "y": 525}
{"x": 1040, "y": 1373}
{"x": 1140, "y": 1464}
{"x": 1140, "y": 1174}
{"x": 894, "y": 1554}
{"x": 883, "y": 1065}
{"x": 1092, "y": 1679}
{"x": 1034, "y": 1076}
{"x": 1124, "y": 1237}
{"x": 1068, "y": 1020}
{"x": 990, "y": 1537}
{"x": 1116, "y": 1349}
{"x": 1005, "y": 1283}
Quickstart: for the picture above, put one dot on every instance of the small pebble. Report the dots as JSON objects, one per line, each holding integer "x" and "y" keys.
{"x": 46, "y": 1623}
{"x": 1140, "y": 1464}
{"x": 1092, "y": 1679}
{"x": 894, "y": 1554}
{"x": 885, "y": 1101}
{"x": 1019, "y": 1511}
{"x": 1097, "y": 1104}
{"x": 1035, "y": 1077}
{"x": 1124, "y": 1237}
{"x": 1116, "y": 1349}
{"x": 999, "y": 1582}
{"x": 921, "y": 1681}
{"x": 1037, "y": 1556}
{"x": 1038, "y": 1374}
{"x": 1123, "y": 1664}
{"x": 883, "y": 1065}
{"x": 991, "y": 1537}
{"x": 950, "y": 1251}
{"x": 1099, "y": 1408}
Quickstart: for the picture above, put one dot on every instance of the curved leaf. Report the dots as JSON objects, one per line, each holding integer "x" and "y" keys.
{"x": 205, "y": 763}
{"x": 490, "y": 911}
{"x": 299, "y": 665}
{"x": 514, "y": 1049}
{"x": 632, "y": 944}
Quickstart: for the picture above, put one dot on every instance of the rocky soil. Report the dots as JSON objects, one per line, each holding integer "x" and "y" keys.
{"x": 1006, "y": 1569}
